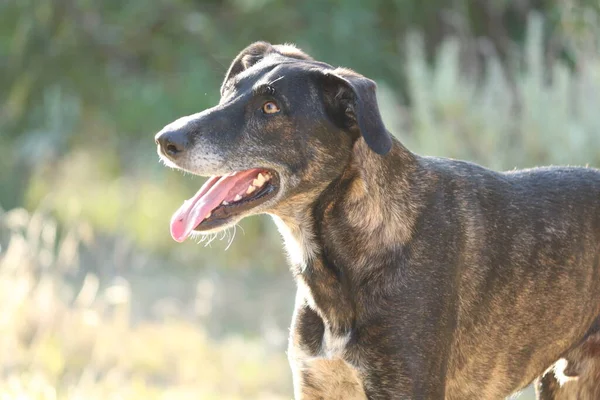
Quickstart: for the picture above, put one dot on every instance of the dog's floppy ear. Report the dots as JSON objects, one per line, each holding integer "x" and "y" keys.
{"x": 256, "y": 52}
{"x": 352, "y": 101}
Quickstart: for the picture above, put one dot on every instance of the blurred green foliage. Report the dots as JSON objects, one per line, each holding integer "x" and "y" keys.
{"x": 102, "y": 77}
{"x": 88, "y": 341}
{"x": 84, "y": 85}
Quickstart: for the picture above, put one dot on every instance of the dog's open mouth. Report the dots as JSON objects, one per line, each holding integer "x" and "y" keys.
{"x": 221, "y": 198}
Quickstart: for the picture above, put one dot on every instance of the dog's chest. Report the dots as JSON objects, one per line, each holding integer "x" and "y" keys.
{"x": 299, "y": 242}
{"x": 326, "y": 329}
{"x": 315, "y": 335}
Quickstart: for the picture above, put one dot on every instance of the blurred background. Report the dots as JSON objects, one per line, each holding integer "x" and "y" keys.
{"x": 97, "y": 301}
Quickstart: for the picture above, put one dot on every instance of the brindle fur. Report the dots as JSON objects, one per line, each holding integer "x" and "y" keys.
{"x": 418, "y": 277}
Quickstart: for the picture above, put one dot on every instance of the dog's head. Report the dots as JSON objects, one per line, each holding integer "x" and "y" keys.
{"x": 285, "y": 126}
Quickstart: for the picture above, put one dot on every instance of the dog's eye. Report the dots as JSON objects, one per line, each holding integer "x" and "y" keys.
{"x": 270, "y": 107}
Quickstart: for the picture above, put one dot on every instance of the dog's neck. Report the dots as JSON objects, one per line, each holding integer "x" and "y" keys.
{"x": 374, "y": 197}
{"x": 370, "y": 201}
{"x": 379, "y": 202}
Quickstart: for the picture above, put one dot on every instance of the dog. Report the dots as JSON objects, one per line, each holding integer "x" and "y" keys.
{"x": 418, "y": 277}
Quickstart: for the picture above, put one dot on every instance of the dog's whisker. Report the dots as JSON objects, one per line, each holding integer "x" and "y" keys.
{"x": 225, "y": 235}
{"x": 197, "y": 237}
{"x": 243, "y": 231}
{"x": 231, "y": 237}
{"x": 201, "y": 237}
{"x": 213, "y": 236}
{"x": 275, "y": 80}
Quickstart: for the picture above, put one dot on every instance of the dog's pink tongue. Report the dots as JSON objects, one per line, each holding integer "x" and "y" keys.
{"x": 195, "y": 209}
{"x": 211, "y": 194}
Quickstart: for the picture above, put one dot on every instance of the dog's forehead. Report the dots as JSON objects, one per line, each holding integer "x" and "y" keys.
{"x": 276, "y": 69}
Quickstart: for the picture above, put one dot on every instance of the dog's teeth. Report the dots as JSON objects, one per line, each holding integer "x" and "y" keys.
{"x": 208, "y": 215}
{"x": 237, "y": 197}
{"x": 225, "y": 203}
{"x": 250, "y": 189}
{"x": 260, "y": 179}
{"x": 256, "y": 183}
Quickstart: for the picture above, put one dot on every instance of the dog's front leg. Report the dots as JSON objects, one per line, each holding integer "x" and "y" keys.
{"x": 386, "y": 378}
{"x": 402, "y": 361}
{"x": 324, "y": 379}
{"x": 315, "y": 376}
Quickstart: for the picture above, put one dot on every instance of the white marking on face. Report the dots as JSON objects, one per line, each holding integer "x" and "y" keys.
{"x": 204, "y": 159}
{"x": 167, "y": 162}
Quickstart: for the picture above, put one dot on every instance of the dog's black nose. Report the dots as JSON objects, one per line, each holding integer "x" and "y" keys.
{"x": 172, "y": 143}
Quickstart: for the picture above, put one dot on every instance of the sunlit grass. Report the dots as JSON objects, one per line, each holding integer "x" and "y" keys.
{"x": 65, "y": 341}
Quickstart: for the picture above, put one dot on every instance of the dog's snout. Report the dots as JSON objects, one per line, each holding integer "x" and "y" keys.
{"x": 172, "y": 143}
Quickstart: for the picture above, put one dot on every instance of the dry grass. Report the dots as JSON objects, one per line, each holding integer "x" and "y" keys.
{"x": 60, "y": 340}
